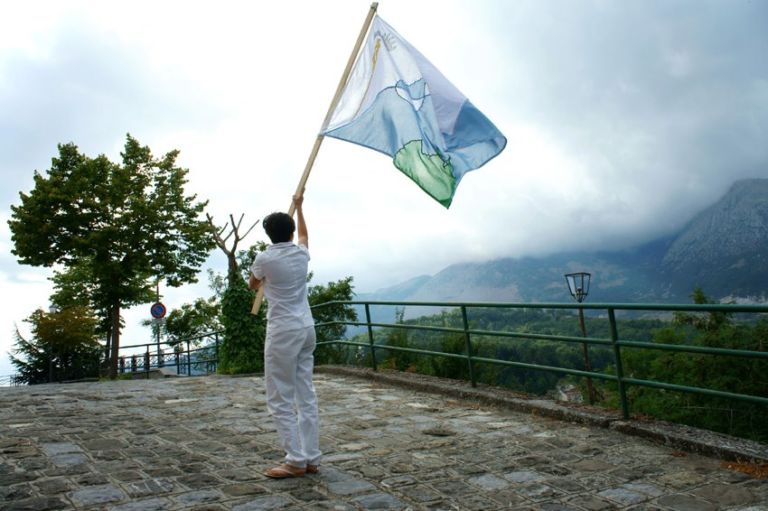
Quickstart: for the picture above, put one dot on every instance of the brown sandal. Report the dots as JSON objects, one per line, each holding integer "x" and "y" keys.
{"x": 285, "y": 471}
{"x": 313, "y": 469}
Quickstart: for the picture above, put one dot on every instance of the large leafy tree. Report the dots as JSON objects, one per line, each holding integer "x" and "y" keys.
{"x": 192, "y": 320}
{"x": 115, "y": 228}
{"x": 63, "y": 346}
{"x": 75, "y": 286}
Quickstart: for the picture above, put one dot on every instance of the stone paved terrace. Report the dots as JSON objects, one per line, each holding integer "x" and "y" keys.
{"x": 202, "y": 443}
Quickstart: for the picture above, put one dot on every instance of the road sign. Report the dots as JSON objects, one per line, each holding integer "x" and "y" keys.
{"x": 158, "y": 310}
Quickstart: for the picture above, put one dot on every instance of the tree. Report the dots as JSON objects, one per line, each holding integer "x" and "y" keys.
{"x": 233, "y": 269}
{"x": 242, "y": 350}
{"x": 193, "y": 319}
{"x": 341, "y": 290}
{"x": 120, "y": 226}
{"x": 76, "y": 287}
{"x": 739, "y": 375}
{"x": 63, "y": 346}
{"x": 711, "y": 322}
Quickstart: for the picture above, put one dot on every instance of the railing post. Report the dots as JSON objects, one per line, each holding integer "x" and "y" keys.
{"x": 619, "y": 368}
{"x": 122, "y": 364}
{"x": 177, "y": 352}
{"x": 468, "y": 343}
{"x": 160, "y": 358}
{"x": 216, "y": 358}
{"x": 134, "y": 365}
{"x": 585, "y": 354}
{"x": 189, "y": 361}
{"x": 370, "y": 336}
{"x": 146, "y": 362}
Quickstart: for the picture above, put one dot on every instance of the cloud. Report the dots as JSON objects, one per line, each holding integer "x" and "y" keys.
{"x": 88, "y": 88}
{"x": 662, "y": 105}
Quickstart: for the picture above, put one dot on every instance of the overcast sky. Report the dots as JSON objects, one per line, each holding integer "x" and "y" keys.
{"x": 623, "y": 119}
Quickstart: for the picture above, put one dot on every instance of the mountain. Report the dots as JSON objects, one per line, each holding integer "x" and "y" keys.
{"x": 724, "y": 246}
{"x": 722, "y": 250}
{"x": 402, "y": 291}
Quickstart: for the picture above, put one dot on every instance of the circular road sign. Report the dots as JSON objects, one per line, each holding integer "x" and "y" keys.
{"x": 158, "y": 310}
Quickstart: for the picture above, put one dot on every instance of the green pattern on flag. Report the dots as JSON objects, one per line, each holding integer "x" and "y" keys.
{"x": 429, "y": 171}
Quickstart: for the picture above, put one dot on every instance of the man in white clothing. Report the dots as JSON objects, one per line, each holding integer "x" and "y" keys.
{"x": 288, "y": 358}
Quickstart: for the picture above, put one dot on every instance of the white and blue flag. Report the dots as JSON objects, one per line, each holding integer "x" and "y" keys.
{"x": 398, "y": 103}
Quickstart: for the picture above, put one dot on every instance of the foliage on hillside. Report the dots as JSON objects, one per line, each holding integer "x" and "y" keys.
{"x": 534, "y": 321}
{"x": 731, "y": 374}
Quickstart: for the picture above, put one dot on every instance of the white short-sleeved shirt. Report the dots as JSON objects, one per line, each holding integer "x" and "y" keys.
{"x": 282, "y": 268}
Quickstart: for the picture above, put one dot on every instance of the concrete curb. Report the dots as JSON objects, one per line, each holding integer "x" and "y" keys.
{"x": 677, "y": 436}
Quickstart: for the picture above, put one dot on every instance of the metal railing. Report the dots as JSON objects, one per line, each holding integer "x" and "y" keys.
{"x": 614, "y": 342}
{"x": 183, "y": 356}
{"x": 9, "y": 380}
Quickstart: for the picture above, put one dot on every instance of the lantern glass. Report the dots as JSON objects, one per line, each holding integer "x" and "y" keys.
{"x": 578, "y": 284}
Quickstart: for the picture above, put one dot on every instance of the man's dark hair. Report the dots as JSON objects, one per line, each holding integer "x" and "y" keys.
{"x": 279, "y": 227}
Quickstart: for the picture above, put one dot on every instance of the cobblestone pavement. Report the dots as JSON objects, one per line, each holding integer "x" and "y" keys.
{"x": 202, "y": 443}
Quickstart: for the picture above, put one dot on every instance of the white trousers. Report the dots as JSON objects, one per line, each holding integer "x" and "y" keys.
{"x": 288, "y": 365}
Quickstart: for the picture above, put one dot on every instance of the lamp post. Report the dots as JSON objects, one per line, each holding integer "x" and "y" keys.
{"x": 52, "y": 309}
{"x": 578, "y": 286}
{"x": 158, "y": 324}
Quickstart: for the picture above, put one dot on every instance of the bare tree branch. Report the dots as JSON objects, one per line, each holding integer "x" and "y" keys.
{"x": 232, "y": 229}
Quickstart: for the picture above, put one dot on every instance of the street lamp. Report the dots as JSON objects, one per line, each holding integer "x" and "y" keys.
{"x": 158, "y": 318}
{"x": 578, "y": 286}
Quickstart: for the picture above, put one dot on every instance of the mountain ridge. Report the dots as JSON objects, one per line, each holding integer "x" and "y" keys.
{"x": 722, "y": 250}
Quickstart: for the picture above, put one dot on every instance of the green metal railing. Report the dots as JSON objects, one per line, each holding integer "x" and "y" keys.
{"x": 614, "y": 341}
{"x": 183, "y": 359}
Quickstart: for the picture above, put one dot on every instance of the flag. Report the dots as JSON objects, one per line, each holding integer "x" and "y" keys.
{"x": 396, "y": 102}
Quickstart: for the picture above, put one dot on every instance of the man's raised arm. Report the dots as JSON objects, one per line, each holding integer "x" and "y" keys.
{"x": 301, "y": 225}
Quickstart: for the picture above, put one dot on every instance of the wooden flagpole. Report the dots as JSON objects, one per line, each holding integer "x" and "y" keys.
{"x": 320, "y": 137}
